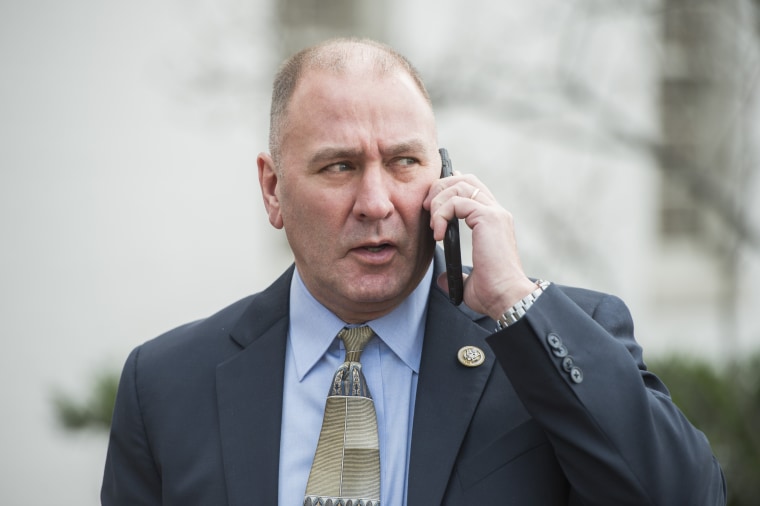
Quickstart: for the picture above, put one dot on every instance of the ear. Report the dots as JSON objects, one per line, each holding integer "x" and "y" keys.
{"x": 268, "y": 180}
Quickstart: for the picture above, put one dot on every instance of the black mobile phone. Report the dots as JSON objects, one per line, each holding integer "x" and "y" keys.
{"x": 451, "y": 248}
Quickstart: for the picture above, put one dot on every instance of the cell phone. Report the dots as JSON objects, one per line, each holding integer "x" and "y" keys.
{"x": 451, "y": 248}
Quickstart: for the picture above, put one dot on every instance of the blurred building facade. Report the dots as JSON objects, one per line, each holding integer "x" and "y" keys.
{"x": 708, "y": 160}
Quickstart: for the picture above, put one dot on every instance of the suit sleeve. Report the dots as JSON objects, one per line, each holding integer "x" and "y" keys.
{"x": 616, "y": 433}
{"x": 131, "y": 476}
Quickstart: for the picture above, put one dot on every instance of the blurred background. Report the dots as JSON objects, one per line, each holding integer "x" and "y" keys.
{"x": 622, "y": 134}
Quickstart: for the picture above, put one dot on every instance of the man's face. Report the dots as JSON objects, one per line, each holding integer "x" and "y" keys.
{"x": 358, "y": 156}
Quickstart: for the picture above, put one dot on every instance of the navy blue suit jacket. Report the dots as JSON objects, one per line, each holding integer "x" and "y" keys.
{"x": 198, "y": 414}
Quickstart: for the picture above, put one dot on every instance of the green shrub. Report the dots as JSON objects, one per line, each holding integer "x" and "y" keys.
{"x": 724, "y": 403}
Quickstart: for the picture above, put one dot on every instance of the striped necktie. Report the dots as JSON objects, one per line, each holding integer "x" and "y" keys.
{"x": 346, "y": 467}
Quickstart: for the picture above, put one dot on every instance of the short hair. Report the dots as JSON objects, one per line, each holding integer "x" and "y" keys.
{"x": 333, "y": 55}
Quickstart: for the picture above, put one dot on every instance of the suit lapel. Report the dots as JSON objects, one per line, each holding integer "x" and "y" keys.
{"x": 249, "y": 392}
{"x": 447, "y": 395}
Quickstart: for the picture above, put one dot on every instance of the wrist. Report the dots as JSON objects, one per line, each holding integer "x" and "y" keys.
{"x": 514, "y": 313}
{"x": 512, "y": 292}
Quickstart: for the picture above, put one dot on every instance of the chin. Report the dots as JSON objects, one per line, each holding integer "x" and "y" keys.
{"x": 375, "y": 290}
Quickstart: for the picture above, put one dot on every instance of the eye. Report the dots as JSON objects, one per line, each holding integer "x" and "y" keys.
{"x": 338, "y": 167}
{"x": 405, "y": 161}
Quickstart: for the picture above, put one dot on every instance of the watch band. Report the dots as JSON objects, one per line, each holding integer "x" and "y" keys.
{"x": 513, "y": 314}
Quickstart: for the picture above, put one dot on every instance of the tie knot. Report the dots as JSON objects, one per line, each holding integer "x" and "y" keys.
{"x": 355, "y": 339}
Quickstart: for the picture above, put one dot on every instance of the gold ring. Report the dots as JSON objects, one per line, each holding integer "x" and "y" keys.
{"x": 475, "y": 193}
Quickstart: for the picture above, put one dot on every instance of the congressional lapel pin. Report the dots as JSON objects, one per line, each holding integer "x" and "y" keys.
{"x": 471, "y": 356}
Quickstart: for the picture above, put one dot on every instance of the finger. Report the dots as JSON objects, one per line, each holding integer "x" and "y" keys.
{"x": 443, "y": 185}
{"x": 454, "y": 207}
{"x": 457, "y": 195}
{"x": 438, "y": 186}
{"x": 442, "y": 191}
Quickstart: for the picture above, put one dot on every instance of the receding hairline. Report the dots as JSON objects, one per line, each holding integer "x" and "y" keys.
{"x": 336, "y": 56}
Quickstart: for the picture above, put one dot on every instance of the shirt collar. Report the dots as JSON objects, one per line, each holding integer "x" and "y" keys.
{"x": 313, "y": 327}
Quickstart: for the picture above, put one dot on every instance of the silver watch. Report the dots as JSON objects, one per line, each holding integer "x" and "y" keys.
{"x": 513, "y": 314}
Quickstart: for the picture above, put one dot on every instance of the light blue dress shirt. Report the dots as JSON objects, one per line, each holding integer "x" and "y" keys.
{"x": 391, "y": 366}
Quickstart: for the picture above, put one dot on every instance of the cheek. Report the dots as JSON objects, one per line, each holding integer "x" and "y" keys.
{"x": 296, "y": 201}
{"x": 409, "y": 204}
{"x": 312, "y": 213}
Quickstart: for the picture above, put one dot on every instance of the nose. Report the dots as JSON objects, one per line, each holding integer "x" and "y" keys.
{"x": 373, "y": 199}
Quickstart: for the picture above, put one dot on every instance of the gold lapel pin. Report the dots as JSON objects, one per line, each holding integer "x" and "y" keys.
{"x": 471, "y": 356}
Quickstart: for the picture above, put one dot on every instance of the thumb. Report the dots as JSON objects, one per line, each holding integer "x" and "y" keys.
{"x": 443, "y": 281}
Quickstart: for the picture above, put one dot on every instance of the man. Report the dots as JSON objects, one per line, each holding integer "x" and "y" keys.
{"x": 554, "y": 408}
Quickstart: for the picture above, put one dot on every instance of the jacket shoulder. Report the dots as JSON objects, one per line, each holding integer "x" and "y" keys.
{"x": 588, "y": 300}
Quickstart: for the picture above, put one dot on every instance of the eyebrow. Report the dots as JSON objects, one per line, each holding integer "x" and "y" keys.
{"x": 410, "y": 147}
{"x": 335, "y": 153}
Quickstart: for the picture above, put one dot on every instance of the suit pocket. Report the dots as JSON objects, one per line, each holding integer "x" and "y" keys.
{"x": 513, "y": 445}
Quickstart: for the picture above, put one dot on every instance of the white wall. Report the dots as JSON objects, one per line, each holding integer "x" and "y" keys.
{"x": 129, "y": 206}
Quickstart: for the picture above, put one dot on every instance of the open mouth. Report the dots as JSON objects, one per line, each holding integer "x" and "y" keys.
{"x": 376, "y": 249}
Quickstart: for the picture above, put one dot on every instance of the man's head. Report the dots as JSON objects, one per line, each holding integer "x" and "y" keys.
{"x": 353, "y": 155}
{"x": 332, "y": 55}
